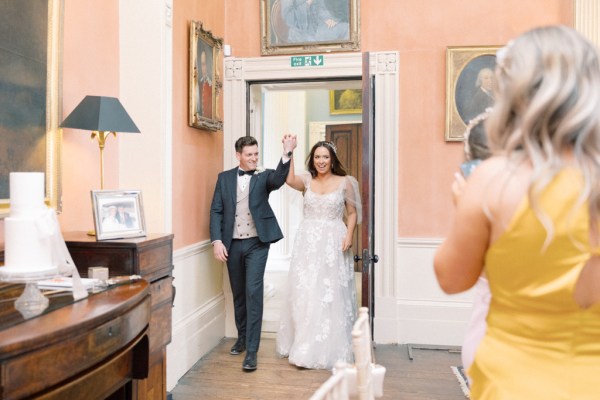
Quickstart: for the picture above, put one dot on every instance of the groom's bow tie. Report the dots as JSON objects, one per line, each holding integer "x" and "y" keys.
{"x": 242, "y": 173}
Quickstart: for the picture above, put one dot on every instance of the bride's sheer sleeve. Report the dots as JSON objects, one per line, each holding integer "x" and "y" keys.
{"x": 352, "y": 196}
{"x": 306, "y": 178}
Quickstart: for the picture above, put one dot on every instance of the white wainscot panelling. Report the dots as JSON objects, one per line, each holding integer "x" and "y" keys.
{"x": 425, "y": 314}
{"x": 199, "y": 311}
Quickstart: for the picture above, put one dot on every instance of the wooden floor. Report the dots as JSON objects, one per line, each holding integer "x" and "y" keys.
{"x": 219, "y": 375}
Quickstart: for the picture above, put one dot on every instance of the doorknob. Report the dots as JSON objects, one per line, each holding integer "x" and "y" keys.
{"x": 366, "y": 255}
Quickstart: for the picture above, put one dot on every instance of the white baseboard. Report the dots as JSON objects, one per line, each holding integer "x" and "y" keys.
{"x": 194, "y": 337}
{"x": 432, "y": 323}
{"x": 424, "y": 322}
{"x": 199, "y": 312}
{"x": 412, "y": 308}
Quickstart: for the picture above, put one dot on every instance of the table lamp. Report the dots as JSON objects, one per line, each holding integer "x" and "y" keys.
{"x": 102, "y": 115}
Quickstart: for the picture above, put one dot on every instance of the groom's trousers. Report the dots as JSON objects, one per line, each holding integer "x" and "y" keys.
{"x": 246, "y": 263}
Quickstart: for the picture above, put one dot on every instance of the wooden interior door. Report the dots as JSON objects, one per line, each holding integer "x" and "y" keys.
{"x": 348, "y": 141}
{"x": 368, "y": 258}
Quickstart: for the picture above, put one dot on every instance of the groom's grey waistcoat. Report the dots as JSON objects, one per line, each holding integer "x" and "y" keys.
{"x": 244, "y": 227}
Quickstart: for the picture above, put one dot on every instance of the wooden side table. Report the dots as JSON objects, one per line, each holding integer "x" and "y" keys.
{"x": 152, "y": 258}
{"x": 89, "y": 349}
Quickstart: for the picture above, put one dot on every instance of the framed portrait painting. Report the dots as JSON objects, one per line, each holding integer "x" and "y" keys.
{"x": 118, "y": 214}
{"x": 204, "y": 80}
{"x": 309, "y": 26}
{"x": 345, "y": 101}
{"x": 470, "y": 82}
{"x": 30, "y": 95}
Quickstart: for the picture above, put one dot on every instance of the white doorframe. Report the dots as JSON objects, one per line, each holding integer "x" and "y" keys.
{"x": 384, "y": 67}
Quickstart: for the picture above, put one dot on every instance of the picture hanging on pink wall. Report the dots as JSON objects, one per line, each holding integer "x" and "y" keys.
{"x": 205, "y": 82}
{"x": 309, "y": 26}
{"x": 469, "y": 86}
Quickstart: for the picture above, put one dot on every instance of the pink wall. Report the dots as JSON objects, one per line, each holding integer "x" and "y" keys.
{"x": 197, "y": 154}
{"x": 421, "y": 30}
{"x": 90, "y": 67}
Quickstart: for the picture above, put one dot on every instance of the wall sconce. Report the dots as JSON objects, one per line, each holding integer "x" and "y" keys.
{"x": 102, "y": 115}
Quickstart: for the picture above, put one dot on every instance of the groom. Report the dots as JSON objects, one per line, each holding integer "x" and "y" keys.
{"x": 242, "y": 228}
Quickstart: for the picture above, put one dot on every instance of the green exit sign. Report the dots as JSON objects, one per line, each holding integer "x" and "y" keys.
{"x": 307, "y": 61}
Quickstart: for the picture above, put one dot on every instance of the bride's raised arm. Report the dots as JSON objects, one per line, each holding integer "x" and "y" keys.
{"x": 294, "y": 180}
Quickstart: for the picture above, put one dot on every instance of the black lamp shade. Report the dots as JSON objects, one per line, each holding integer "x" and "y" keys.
{"x": 100, "y": 113}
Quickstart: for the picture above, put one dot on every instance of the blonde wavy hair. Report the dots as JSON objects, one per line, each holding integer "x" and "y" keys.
{"x": 547, "y": 104}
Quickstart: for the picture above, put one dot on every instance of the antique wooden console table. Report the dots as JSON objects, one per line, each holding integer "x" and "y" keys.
{"x": 94, "y": 348}
{"x": 152, "y": 258}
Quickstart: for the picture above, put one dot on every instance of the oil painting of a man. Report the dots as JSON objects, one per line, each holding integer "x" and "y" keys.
{"x": 204, "y": 91}
{"x": 475, "y": 87}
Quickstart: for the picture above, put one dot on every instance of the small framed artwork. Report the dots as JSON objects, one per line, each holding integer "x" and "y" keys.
{"x": 309, "y": 26}
{"x": 204, "y": 80}
{"x": 345, "y": 101}
{"x": 470, "y": 82}
{"x": 118, "y": 214}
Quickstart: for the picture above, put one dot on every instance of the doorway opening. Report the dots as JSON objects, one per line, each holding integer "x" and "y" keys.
{"x": 313, "y": 111}
{"x": 383, "y": 73}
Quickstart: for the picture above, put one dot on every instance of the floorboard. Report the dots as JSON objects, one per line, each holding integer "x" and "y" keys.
{"x": 219, "y": 375}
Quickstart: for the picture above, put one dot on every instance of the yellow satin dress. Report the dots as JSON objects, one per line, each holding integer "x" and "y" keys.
{"x": 539, "y": 343}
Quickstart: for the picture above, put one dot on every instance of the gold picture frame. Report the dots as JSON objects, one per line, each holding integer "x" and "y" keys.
{"x": 345, "y": 101}
{"x": 469, "y": 71}
{"x": 285, "y": 28}
{"x": 204, "y": 80}
{"x": 30, "y": 138}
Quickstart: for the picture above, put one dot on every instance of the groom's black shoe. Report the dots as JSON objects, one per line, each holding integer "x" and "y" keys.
{"x": 239, "y": 347}
{"x": 250, "y": 361}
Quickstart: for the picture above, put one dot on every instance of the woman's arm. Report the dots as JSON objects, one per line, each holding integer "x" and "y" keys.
{"x": 292, "y": 180}
{"x": 460, "y": 259}
{"x": 351, "y": 217}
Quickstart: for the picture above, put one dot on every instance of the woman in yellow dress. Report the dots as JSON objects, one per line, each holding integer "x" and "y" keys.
{"x": 530, "y": 215}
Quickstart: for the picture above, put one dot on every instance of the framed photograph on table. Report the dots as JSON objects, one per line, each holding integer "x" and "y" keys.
{"x": 205, "y": 82}
{"x": 309, "y": 26}
{"x": 118, "y": 214}
{"x": 470, "y": 84}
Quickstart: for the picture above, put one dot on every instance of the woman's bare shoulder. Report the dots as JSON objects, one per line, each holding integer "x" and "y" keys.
{"x": 494, "y": 169}
{"x": 493, "y": 164}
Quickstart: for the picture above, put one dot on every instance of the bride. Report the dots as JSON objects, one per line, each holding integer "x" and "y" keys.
{"x": 319, "y": 307}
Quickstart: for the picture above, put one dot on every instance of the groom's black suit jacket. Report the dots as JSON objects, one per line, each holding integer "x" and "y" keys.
{"x": 222, "y": 210}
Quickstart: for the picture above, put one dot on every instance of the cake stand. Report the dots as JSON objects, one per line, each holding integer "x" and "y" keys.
{"x": 32, "y": 302}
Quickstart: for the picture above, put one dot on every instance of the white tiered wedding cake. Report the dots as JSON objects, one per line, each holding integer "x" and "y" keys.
{"x": 28, "y": 247}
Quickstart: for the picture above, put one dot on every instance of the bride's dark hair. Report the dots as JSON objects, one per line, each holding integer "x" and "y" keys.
{"x": 336, "y": 166}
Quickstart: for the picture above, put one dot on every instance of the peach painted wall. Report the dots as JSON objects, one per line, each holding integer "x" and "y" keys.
{"x": 197, "y": 154}
{"x": 90, "y": 67}
{"x": 420, "y": 30}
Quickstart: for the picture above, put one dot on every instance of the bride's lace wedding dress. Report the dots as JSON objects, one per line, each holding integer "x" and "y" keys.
{"x": 319, "y": 307}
